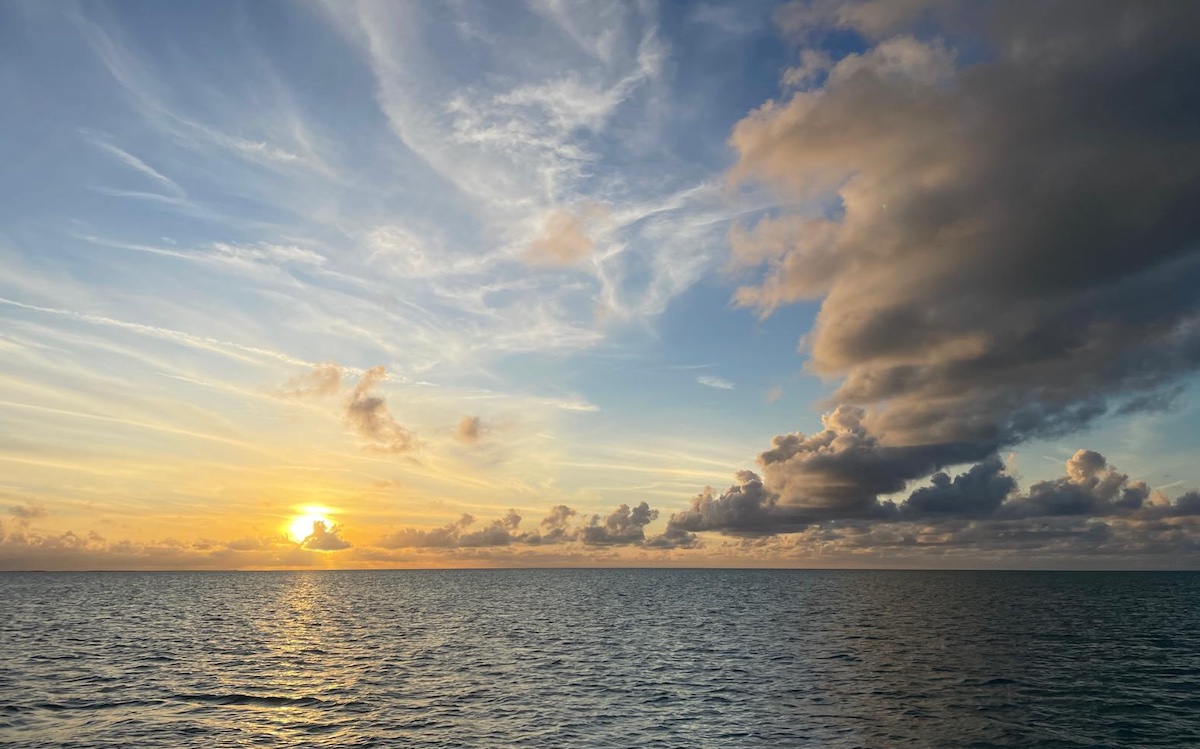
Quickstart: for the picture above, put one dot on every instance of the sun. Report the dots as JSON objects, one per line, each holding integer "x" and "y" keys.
{"x": 302, "y": 526}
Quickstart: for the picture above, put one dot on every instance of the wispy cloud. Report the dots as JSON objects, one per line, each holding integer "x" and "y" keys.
{"x": 134, "y": 163}
{"x": 713, "y": 381}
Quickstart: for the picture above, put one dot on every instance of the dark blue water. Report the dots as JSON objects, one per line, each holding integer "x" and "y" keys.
{"x": 589, "y": 658}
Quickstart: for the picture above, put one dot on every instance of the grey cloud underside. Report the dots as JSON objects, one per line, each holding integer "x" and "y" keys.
{"x": 625, "y": 526}
{"x": 1014, "y": 252}
{"x": 981, "y": 506}
{"x": 1017, "y": 249}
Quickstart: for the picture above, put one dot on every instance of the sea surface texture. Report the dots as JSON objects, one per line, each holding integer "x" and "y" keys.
{"x": 591, "y": 658}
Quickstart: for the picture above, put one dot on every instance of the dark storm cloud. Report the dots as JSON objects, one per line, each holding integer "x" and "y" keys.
{"x": 1014, "y": 252}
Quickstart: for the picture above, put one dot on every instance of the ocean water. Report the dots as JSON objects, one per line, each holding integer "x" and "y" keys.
{"x": 600, "y": 658}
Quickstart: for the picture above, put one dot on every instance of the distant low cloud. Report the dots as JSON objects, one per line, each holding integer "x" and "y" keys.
{"x": 982, "y": 503}
{"x": 24, "y": 550}
{"x": 624, "y": 526}
{"x": 714, "y": 382}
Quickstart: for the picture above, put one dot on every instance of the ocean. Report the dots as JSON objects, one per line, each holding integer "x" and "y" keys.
{"x": 600, "y": 658}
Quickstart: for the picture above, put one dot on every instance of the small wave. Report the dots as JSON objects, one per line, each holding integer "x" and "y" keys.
{"x": 77, "y": 705}
{"x": 266, "y": 700}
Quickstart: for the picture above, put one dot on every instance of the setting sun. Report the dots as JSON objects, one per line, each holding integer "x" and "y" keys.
{"x": 302, "y": 527}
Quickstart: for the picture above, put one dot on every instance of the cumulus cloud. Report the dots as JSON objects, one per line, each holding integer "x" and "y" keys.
{"x": 555, "y": 524}
{"x": 746, "y": 508}
{"x": 1091, "y": 488}
{"x": 325, "y": 538}
{"x": 367, "y": 413}
{"x": 1003, "y": 249}
{"x": 1093, "y": 508}
{"x": 840, "y": 471}
{"x": 976, "y": 493}
{"x": 625, "y": 526}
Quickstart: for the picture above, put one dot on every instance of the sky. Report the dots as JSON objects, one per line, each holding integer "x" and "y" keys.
{"x": 836, "y": 283}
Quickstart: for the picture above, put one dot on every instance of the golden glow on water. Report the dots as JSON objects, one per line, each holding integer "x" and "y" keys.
{"x": 301, "y": 527}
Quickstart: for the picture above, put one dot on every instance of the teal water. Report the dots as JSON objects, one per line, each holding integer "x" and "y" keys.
{"x": 600, "y": 658}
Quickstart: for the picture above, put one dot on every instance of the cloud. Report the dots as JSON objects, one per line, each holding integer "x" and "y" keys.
{"x": 841, "y": 470}
{"x": 1093, "y": 509}
{"x": 436, "y": 538}
{"x": 90, "y": 551}
{"x": 838, "y": 473}
{"x": 1091, "y": 488}
{"x": 555, "y": 524}
{"x": 624, "y": 526}
{"x": 364, "y": 410}
{"x": 322, "y": 381}
{"x": 133, "y": 162}
{"x": 1001, "y": 252}
{"x": 325, "y": 538}
{"x": 470, "y": 430}
{"x": 714, "y": 382}
{"x": 746, "y": 508}
{"x": 368, "y": 414}
{"x": 773, "y": 394}
{"x": 563, "y": 240}
{"x": 976, "y": 493}
{"x": 26, "y": 512}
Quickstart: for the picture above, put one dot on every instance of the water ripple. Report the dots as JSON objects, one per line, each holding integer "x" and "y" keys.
{"x": 587, "y": 658}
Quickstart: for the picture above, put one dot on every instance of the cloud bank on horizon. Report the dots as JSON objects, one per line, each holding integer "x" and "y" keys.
{"x": 548, "y": 263}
